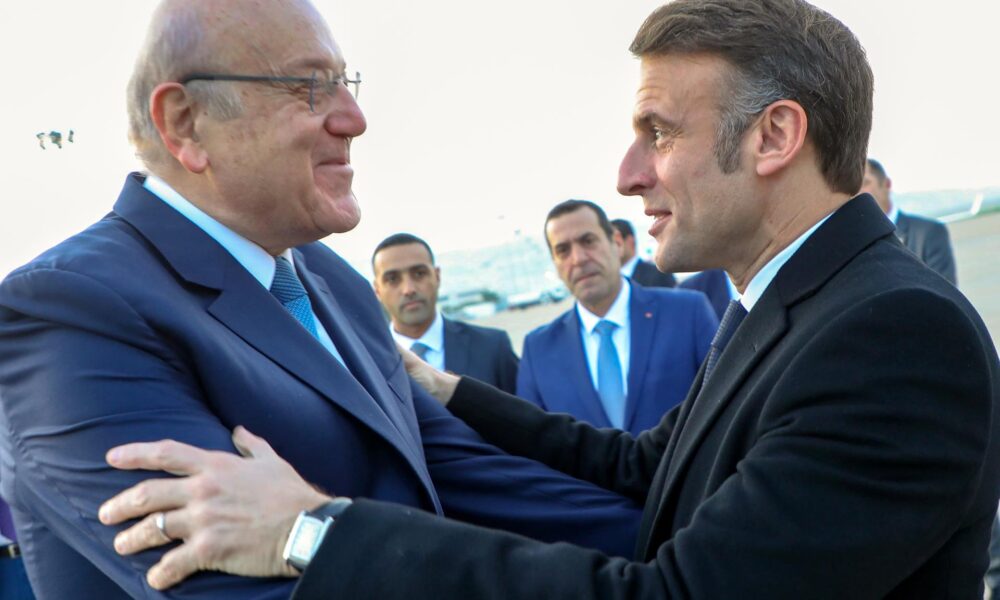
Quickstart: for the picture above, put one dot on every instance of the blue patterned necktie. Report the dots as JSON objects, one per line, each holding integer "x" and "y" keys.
{"x": 287, "y": 288}
{"x": 420, "y": 349}
{"x": 735, "y": 314}
{"x": 610, "y": 384}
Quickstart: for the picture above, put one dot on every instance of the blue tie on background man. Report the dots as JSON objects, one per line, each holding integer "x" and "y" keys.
{"x": 13, "y": 580}
{"x": 610, "y": 384}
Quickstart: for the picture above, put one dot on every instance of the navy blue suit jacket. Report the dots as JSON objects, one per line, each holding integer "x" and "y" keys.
{"x": 714, "y": 283}
{"x": 481, "y": 352}
{"x": 142, "y": 328}
{"x": 671, "y": 333}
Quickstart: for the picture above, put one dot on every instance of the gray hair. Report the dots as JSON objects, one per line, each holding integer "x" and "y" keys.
{"x": 176, "y": 45}
{"x": 748, "y": 97}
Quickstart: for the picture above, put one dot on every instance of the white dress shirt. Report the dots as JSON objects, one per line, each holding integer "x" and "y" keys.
{"x": 622, "y": 336}
{"x": 254, "y": 259}
{"x": 758, "y": 284}
{"x": 628, "y": 269}
{"x": 433, "y": 338}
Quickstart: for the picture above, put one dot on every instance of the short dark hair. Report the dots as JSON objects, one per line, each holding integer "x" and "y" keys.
{"x": 778, "y": 49}
{"x": 401, "y": 239}
{"x": 623, "y": 227}
{"x": 878, "y": 169}
{"x": 568, "y": 206}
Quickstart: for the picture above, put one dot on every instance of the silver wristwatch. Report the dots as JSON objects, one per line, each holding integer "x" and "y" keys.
{"x": 309, "y": 530}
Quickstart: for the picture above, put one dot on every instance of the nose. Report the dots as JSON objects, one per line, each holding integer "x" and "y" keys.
{"x": 635, "y": 174}
{"x": 346, "y": 118}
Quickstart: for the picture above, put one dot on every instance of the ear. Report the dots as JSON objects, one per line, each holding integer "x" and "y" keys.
{"x": 377, "y": 287}
{"x": 888, "y": 183}
{"x": 174, "y": 113}
{"x": 437, "y": 273}
{"x": 780, "y": 137}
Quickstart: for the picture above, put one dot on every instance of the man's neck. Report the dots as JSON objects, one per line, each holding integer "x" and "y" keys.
{"x": 780, "y": 230}
{"x": 601, "y": 308}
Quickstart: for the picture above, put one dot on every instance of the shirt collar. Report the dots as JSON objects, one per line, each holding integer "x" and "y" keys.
{"x": 617, "y": 314}
{"x": 254, "y": 259}
{"x": 629, "y": 267}
{"x": 758, "y": 284}
{"x": 433, "y": 338}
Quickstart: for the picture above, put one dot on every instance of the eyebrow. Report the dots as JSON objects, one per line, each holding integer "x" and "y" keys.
{"x": 651, "y": 119}
{"x": 317, "y": 63}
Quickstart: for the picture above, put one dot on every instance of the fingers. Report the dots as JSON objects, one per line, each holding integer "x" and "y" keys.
{"x": 146, "y": 497}
{"x": 175, "y": 566}
{"x": 146, "y": 534}
{"x": 250, "y": 445}
{"x": 165, "y": 455}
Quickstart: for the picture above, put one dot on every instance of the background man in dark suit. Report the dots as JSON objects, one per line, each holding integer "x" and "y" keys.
{"x": 926, "y": 238}
{"x": 629, "y": 376}
{"x": 843, "y": 437}
{"x": 406, "y": 283}
{"x": 204, "y": 301}
{"x": 640, "y": 271}
{"x": 715, "y": 284}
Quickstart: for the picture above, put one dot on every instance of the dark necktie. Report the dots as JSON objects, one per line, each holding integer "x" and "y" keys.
{"x": 6, "y": 522}
{"x": 610, "y": 384}
{"x": 735, "y": 314}
{"x": 420, "y": 349}
{"x": 287, "y": 288}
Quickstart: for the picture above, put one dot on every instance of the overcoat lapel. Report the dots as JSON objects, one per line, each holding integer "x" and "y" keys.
{"x": 846, "y": 233}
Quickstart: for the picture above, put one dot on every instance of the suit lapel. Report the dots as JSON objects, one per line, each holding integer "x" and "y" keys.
{"x": 643, "y": 320}
{"x": 456, "y": 349}
{"x": 363, "y": 368}
{"x": 574, "y": 363}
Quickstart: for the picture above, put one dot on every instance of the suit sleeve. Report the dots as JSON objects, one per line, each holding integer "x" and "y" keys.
{"x": 938, "y": 253}
{"x": 854, "y": 474}
{"x": 527, "y": 389}
{"x": 478, "y": 483}
{"x": 506, "y": 364}
{"x": 82, "y": 372}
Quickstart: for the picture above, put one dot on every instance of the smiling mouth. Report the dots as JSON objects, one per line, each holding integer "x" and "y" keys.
{"x": 660, "y": 220}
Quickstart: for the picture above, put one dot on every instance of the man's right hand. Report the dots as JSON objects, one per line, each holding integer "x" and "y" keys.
{"x": 232, "y": 512}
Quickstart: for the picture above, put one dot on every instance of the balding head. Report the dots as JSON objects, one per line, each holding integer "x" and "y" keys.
{"x": 224, "y": 36}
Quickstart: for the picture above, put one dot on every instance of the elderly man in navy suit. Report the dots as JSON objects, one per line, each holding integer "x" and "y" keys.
{"x": 624, "y": 355}
{"x": 407, "y": 283}
{"x": 204, "y": 302}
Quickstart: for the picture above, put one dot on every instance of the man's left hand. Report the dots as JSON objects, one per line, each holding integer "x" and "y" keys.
{"x": 233, "y": 513}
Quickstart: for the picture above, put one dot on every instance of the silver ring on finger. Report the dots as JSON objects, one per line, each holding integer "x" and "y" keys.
{"x": 160, "y": 520}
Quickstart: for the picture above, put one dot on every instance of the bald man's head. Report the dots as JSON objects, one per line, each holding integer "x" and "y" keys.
{"x": 213, "y": 36}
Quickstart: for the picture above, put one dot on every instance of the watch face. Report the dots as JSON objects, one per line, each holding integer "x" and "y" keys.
{"x": 306, "y": 539}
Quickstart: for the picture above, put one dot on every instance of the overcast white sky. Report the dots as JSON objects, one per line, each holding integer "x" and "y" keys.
{"x": 481, "y": 115}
